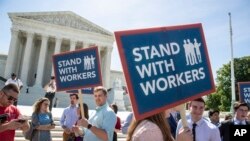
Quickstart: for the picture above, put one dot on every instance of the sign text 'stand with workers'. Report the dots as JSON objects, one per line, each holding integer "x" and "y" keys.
{"x": 164, "y": 66}
{"x": 77, "y": 69}
{"x": 244, "y": 92}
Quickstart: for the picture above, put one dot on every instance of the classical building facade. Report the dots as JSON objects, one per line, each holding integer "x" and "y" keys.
{"x": 36, "y": 36}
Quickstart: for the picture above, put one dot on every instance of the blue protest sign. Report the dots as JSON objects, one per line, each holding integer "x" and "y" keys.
{"x": 164, "y": 66}
{"x": 84, "y": 91}
{"x": 77, "y": 69}
{"x": 244, "y": 92}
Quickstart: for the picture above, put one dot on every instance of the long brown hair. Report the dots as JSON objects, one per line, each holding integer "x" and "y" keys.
{"x": 37, "y": 105}
{"x": 159, "y": 120}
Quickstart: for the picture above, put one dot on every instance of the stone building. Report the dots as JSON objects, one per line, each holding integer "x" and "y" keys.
{"x": 36, "y": 36}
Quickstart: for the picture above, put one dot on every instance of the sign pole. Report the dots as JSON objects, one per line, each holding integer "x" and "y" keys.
{"x": 81, "y": 102}
{"x": 183, "y": 115}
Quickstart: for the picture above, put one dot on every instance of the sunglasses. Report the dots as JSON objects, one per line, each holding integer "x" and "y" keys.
{"x": 10, "y": 97}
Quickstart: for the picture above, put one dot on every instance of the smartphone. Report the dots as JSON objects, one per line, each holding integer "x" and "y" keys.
{"x": 3, "y": 118}
{"x": 21, "y": 120}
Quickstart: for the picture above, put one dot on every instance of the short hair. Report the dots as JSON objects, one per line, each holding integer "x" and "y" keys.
{"x": 13, "y": 74}
{"x": 211, "y": 112}
{"x": 237, "y": 105}
{"x": 114, "y": 107}
{"x": 198, "y": 100}
{"x": 74, "y": 94}
{"x": 100, "y": 88}
{"x": 228, "y": 116}
{"x": 52, "y": 77}
{"x": 10, "y": 87}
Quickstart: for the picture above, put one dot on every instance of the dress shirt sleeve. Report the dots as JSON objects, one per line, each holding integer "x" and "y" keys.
{"x": 179, "y": 125}
{"x": 7, "y": 82}
{"x": 109, "y": 122}
{"x": 215, "y": 134}
{"x": 62, "y": 118}
{"x": 126, "y": 124}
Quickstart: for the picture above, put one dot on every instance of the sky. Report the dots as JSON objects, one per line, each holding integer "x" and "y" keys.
{"x": 117, "y": 15}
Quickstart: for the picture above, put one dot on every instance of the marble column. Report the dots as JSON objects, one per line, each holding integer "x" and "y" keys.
{"x": 72, "y": 45}
{"x": 57, "y": 50}
{"x": 10, "y": 63}
{"x": 107, "y": 64}
{"x": 41, "y": 61}
{"x": 27, "y": 57}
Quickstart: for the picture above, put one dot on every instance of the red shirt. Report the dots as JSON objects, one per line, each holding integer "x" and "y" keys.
{"x": 118, "y": 123}
{"x": 13, "y": 113}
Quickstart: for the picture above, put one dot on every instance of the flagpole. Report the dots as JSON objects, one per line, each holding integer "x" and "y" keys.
{"x": 232, "y": 64}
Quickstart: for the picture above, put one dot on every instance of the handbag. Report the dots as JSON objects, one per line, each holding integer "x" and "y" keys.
{"x": 29, "y": 134}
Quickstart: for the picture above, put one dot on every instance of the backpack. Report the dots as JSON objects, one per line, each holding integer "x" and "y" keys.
{"x": 29, "y": 134}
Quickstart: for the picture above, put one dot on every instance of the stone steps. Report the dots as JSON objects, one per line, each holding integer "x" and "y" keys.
{"x": 57, "y": 133}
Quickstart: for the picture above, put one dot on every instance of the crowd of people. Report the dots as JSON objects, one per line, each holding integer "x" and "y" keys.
{"x": 104, "y": 124}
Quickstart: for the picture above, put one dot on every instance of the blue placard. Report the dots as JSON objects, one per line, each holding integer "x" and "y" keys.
{"x": 164, "y": 66}
{"x": 84, "y": 91}
{"x": 77, "y": 69}
{"x": 244, "y": 91}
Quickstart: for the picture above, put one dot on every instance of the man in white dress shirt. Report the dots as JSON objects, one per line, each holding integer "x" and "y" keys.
{"x": 14, "y": 80}
{"x": 202, "y": 129}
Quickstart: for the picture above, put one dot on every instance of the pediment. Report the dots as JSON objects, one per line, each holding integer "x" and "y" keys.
{"x": 64, "y": 18}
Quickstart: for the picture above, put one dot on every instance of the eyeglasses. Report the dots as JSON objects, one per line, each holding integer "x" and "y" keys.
{"x": 10, "y": 97}
{"x": 241, "y": 110}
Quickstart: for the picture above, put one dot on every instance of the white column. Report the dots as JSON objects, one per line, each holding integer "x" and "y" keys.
{"x": 58, "y": 45}
{"x": 12, "y": 54}
{"x": 27, "y": 57}
{"x": 41, "y": 61}
{"x": 72, "y": 45}
{"x": 107, "y": 64}
{"x": 57, "y": 50}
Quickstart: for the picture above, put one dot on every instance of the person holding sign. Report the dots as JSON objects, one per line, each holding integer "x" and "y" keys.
{"x": 202, "y": 129}
{"x": 240, "y": 110}
{"x": 101, "y": 124}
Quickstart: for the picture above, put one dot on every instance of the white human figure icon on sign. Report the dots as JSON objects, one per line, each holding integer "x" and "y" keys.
{"x": 187, "y": 53}
{"x": 87, "y": 63}
{"x": 92, "y": 59}
{"x": 197, "y": 49}
{"x": 192, "y": 53}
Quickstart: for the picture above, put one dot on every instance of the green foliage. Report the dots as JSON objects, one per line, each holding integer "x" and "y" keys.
{"x": 222, "y": 97}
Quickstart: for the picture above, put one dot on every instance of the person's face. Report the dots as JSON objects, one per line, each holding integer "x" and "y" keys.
{"x": 8, "y": 98}
{"x": 241, "y": 113}
{"x": 73, "y": 100}
{"x": 196, "y": 110}
{"x": 45, "y": 105}
{"x": 100, "y": 98}
{"x": 13, "y": 77}
{"x": 215, "y": 118}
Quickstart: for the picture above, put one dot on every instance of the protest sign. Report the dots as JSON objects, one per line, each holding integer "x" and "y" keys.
{"x": 77, "y": 69}
{"x": 164, "y": 66}
{"x": 244, "y": 92}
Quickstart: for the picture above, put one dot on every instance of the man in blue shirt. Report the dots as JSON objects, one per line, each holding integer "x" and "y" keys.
{"x": 126, "y": 123}
{"x": 69, "y": 117}
{"x": 101, "y": 124}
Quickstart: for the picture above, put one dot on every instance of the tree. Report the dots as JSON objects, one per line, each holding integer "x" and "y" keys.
{"x": 221, "y": 99}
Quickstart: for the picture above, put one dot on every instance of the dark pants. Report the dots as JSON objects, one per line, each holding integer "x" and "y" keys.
{"x": 115, "y": 136}
{"x": 50, "y": 96}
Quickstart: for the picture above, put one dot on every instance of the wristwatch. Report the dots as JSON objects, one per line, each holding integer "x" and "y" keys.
{"x": 89, "y": 126}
